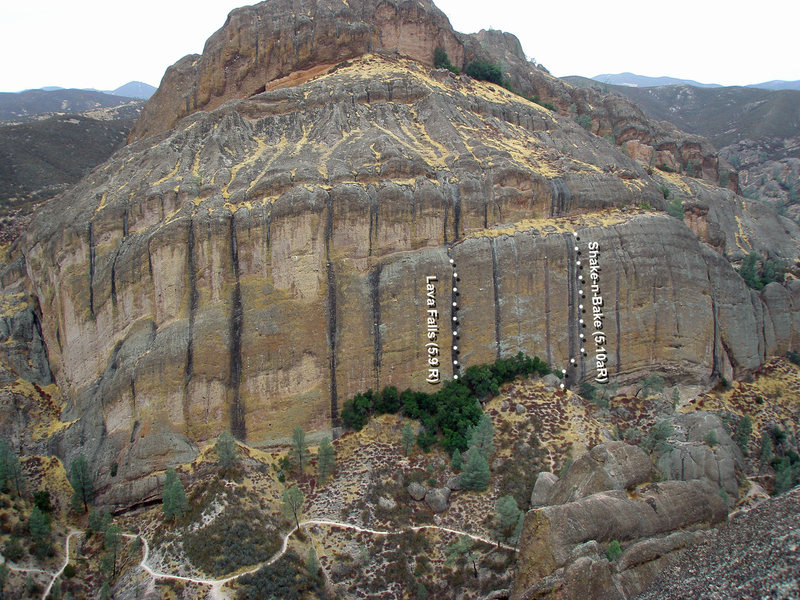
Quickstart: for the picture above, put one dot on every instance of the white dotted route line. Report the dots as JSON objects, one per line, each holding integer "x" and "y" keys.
{"x": 455, "y": 320}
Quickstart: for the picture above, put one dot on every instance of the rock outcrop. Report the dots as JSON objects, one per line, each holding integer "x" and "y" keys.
{"x": 265, "y": 260}
{"x": 701, "y": 448}
{"x": 561, "y": 552}
{"x": 609, "y": 466}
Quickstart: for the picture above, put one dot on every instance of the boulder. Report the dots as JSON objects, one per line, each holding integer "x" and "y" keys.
{"x": 541, "y": 489}
{"x": 417, "y": 491}
{"x": 454, "y": 483}
{"x": 609, "y": 466}
{"x": 386, "y": 503}
{"x": 436, "y": 499}
{"x": 557, "y": 550}
{"x": 691, "y": 457}
{"x": 551, "y": 380}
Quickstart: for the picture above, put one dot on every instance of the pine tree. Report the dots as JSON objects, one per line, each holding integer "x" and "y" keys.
{"x": 476, "y": 471}
{"x": 481, "y": 436}
{"x": 293, "y": 503}
{"x": 299, "y": 450}
{"x": 462, "y": 549}
{"x": 456, "y": 461}
{"x": 507, "y": 517}
{"x": 227, "y": 451}
{"x": 112, "y": 542}
{"x": 174, "y": 497}
{"x": 14, "y": 472}
{"x": 39, "y": 527}
{"x": 312, "y": 564}
{"x": 4, "y": 572}
{"x": 81, "y": 483}
{"x": 407, "y": 438}
{"x": 98, "y": 521}
{"x": 326, "y": 459}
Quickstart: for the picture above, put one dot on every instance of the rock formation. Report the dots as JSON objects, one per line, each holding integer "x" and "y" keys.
{"x": 259, "y": 252}
{"x": 562, "y": 548}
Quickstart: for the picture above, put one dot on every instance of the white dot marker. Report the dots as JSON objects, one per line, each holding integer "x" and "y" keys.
{"x": 455, "y": 347}
{"x": 455, "y": 289}
{"x": 576, "y": 248}
{"x": 583, "y": 350}
{"x": 455, "y": 376}
{"x": 572, "y": 360}
{"x": 580, "y": 306}
{"x": 455, "y": 274}
{"x": 580, "y": 321}
{"x": 581, "y": 336}
{"x": 455, "y": 362}
{"x": 575, "y": 233}
{"x": 562, "y": 386}
{"x": 578, "y": 262}
{"x": 580, "y": 277}
{"x": 580, "y": 292}
{"x": 455, "y": 333}
{"x": 451, "y": 261}
{"x": 455, "y": 318}
{"x": 564, "y": 371}
{"x": 454, "y": 304}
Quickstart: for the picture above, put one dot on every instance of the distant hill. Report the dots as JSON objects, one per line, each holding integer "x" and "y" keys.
{"x": 34, "y": 104}
{"x": 642, "y": 81}
{"x": 43, "y": 157}
{"x": 777, "y": 84}
{"x": 757, "y": 131}
{"x": 135, "y": 89}
{"x": 633, "y": 80}
{"x": 725, "y": 115}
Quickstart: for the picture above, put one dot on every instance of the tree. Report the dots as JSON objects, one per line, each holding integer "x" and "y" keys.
{"x": 461, "y": 549}
{"x": 227, "y": 451}
{"x": 39, "y": 527}
{"x": 508, "y": 517}
{"x": 293, "y": 503}
{"x": 98, "y": 521}
{"x": 481, "y": 436}
{"x": 456, "y": 462}
{"x": 326, "y": 459}
{"x": 767, "y": 449}
{"x": 112, "y": 541}
{"x": 174, "y": 496}
{"x": 81, "y": 482}
{"x": 10, "y": 470}
{"x": 407, "y": 438}
{"x": 485, "y": 71}
{"x": 4, "y": 571}
{"x": 299, "y": 449}
{"x": 476, "y": 471}
{"x": 744, "y": 427}
{"x": 312, "y": 564}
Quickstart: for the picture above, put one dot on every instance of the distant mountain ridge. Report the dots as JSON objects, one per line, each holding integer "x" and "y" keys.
{"x": 628, "y": 79}
{"x": 632, "y": 80}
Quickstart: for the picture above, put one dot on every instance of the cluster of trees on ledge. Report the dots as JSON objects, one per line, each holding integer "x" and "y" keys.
{"x": 483, "y": 70}
{"x": 448, "y": 414}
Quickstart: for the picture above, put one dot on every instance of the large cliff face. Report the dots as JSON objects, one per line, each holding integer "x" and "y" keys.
{"x": 261, "y": 262}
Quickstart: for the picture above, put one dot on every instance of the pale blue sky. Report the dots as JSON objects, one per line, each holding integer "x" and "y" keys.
{"x": 104, "y": 44}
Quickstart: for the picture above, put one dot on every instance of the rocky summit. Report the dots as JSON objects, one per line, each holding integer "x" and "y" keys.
{"x": 311, "y": 209}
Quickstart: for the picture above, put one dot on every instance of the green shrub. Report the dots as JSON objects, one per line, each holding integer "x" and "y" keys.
{"x": 484, "y": 71}
{"x": 585, "y": 121}
{"x": 675, "y": 208}
{"x": 448, "y": 414}
{"x": 442, "y": 61}
{"x": 711, "y": 437}
{"x": 757, "y": 272}
{"x": 656, "y": 439}
{"x": 665, "y": 191}
{"x": 744, "y": 427}
{"x": 613, "y": 551}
